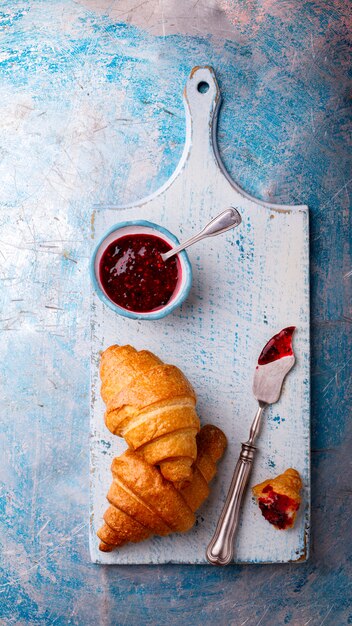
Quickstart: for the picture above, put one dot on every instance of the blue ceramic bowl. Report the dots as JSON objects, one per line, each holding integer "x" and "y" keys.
{"x": 142, "y": 227}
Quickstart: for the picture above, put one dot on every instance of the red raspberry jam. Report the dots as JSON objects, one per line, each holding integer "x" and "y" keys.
{"x": 279, "y": 346}
{"x": 277, "y": 508}
{"x": 134, "y": 276}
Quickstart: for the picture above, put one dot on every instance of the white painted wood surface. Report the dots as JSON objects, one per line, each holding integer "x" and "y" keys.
{"x": 247, "y": 285}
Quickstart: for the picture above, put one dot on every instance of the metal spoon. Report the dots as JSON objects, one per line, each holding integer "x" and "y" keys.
{"x": 230, "y": 218}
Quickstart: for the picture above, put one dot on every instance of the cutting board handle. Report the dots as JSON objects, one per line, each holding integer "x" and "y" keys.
{"x": 202, "y": 101}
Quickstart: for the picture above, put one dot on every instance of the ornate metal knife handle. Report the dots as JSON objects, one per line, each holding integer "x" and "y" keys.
{"x": 220, "y": 549}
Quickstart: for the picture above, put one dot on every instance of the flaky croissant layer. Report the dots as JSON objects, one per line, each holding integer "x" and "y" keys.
{"x": 143, "y": 502}
{"x": 152, "y": 405}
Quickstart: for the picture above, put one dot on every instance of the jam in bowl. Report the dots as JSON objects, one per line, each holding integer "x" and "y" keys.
{"x": 130, "y": 275}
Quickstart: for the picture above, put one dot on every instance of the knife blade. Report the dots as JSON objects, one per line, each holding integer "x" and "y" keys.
{"x": 275, "y": 361}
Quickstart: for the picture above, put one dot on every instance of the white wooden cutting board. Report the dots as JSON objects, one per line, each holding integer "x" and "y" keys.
{"x": 247, "y": 285}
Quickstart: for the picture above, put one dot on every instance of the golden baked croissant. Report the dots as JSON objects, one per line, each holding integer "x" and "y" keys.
{"x": 143, "y": 503}
{"x": 279, "y": 498}
{"x": 152, "y": 405}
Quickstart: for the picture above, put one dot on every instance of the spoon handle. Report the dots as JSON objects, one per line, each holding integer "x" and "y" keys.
{"x": 223, "y": 222}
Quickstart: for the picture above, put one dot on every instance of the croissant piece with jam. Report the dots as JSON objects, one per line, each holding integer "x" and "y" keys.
{"x": 144, "y": 503}
{"x": 279, "y": 498}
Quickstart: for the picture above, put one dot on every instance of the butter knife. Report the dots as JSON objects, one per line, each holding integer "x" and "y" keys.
{"x": 275, "y": 361}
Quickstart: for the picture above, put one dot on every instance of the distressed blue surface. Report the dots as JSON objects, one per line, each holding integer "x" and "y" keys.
{"x": 91, "y": 111}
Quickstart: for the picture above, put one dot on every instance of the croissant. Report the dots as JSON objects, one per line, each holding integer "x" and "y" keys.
{"x": 143, "y": 503}
{"x": 279, "y": 498}
{"x": 152, "y": 405}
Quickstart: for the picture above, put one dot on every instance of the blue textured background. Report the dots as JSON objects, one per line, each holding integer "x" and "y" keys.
{"x": 91, "y": 111}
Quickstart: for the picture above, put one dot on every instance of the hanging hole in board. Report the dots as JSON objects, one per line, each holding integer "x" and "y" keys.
{"x": 203, "y": 86}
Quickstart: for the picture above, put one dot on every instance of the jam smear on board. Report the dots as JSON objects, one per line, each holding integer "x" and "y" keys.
{"x": 276, "y": 508}
{"x": 133, "y": 274}
{"x": 279, "y": 346}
